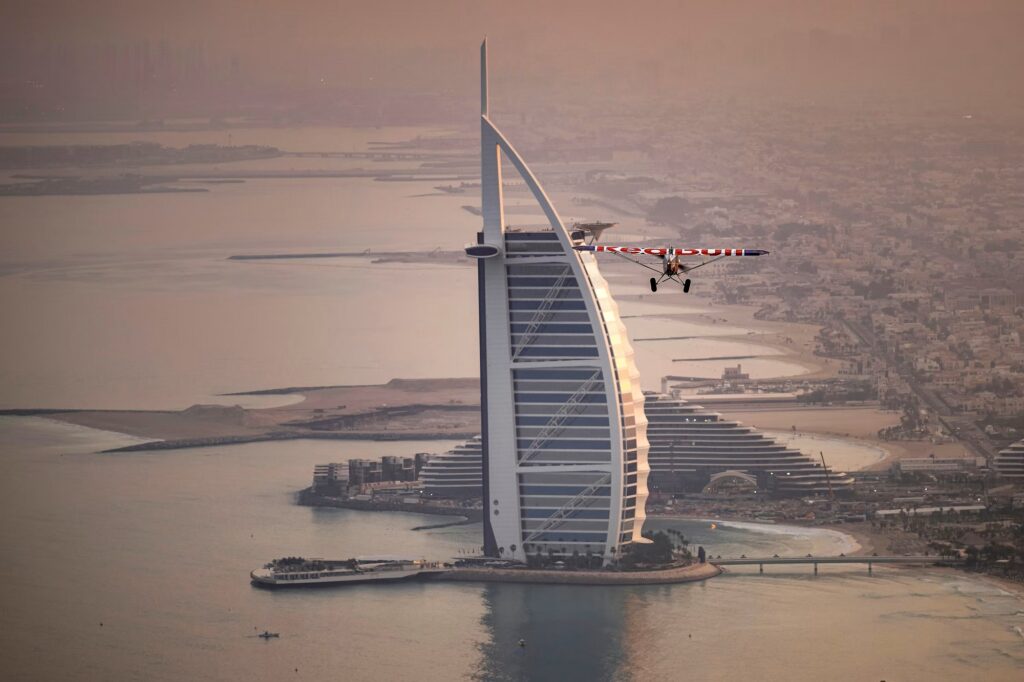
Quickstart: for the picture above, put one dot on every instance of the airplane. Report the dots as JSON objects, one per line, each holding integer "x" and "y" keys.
{"x": 671, "y": 267}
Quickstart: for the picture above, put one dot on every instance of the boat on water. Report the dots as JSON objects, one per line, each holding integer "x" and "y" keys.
{"x": 267, "y": 634}
{"x": 300, "y": 572}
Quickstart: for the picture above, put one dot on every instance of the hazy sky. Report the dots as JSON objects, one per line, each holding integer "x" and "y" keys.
{"x": 915, "y": 48}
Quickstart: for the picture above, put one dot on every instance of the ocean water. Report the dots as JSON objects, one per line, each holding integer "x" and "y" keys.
{"x": 128, "y": 301}
{"x": 135, "y": 567}
{"x": 108, "y": 303}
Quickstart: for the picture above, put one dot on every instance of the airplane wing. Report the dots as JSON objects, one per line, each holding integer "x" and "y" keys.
{"x": 637, "y": 261}
{"x": 662, "y": 252}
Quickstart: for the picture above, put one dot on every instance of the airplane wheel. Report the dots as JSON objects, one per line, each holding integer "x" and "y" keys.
{"x": 686, "y": 286}
{"x": 654, "y": 284}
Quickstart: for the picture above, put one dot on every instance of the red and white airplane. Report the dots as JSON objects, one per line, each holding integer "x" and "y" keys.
{"x": 671, "y": 267}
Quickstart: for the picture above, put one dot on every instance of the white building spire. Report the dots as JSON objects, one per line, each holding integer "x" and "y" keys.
{"x": 483, "y": 77}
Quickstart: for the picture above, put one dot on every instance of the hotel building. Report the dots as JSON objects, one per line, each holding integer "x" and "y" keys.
{"x": 564, "y": 446}
{"x": 1009, "y": 463}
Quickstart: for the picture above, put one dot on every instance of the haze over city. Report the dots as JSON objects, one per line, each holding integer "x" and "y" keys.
{"x": 161, "y": 59}
{"x": 609, "y": 342}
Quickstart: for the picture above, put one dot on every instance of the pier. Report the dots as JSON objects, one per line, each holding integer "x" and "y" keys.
{"x": 436, "y": 254}
{"x": 760, "y": 562}
{"x": 381, "y": 155}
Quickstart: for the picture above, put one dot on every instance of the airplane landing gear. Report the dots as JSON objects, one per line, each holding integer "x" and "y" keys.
{"x": 654, "y": 284}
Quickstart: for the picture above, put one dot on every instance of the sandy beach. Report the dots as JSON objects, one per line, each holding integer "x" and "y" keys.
{"x": 400, "y": 409}
{"x": 855, "y": 423}
{"x": 794, "y": 342}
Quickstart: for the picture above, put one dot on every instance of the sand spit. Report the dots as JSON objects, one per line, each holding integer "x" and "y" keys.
{"x": 402, "y": 409}
{"x": 424, "y": 409}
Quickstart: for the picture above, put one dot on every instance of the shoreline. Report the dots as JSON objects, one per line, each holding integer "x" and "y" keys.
{"x": 190, "y": 443}
{"x": 858, "y": 424}
{"x": 794, "y": 341}
{"x": 307, "y": 498}
{"x": 399, "y": 409}
{"x": 866, "y": 542}
{"x": 861, "y": 542}
{"x": 430, "y": 409}
{"x": 826, "y": 422}
{"x": 1013, "y": 587}
{"x": 682, "y": 574}
{"x": 871, "y": 452}
{"x": 427, "y": 415}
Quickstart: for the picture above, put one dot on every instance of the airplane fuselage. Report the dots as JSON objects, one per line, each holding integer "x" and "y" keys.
{"x": 674, "y": 267}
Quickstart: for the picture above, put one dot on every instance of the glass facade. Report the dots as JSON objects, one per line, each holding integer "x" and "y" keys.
{"x": 566, "y": 414}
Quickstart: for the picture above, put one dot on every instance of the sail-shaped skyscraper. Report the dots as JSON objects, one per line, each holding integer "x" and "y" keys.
{"x": 564, "y": 440}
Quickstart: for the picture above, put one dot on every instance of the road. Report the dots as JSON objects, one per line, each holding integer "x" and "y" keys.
{"x": 960, "y": 426}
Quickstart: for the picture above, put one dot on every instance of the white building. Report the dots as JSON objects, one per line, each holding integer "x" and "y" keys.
{"x": 935, "y": 465}
{"x": 689, "y": 444}
{"x": 456, "y": 473}
{"x": 564, "y": 433}
{"x": 1009, "y": 463}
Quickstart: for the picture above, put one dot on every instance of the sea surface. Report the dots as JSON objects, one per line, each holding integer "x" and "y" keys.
{"x": 135, "y": 566}
{"x": 129, "y": 301}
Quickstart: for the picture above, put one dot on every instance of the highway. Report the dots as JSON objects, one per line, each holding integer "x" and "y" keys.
{"x": 964, "y": 429}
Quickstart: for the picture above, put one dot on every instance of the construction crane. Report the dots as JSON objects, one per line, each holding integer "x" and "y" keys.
{"x": 828, "y": 480}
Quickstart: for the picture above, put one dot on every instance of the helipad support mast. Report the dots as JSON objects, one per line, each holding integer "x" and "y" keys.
{"x": 483, "y": 78}
{"x": 490, "y": 164}
{"x": 492, "y": 306}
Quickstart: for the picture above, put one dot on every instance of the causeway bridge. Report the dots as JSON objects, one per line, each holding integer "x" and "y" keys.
{"x": 761, "y": 562}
